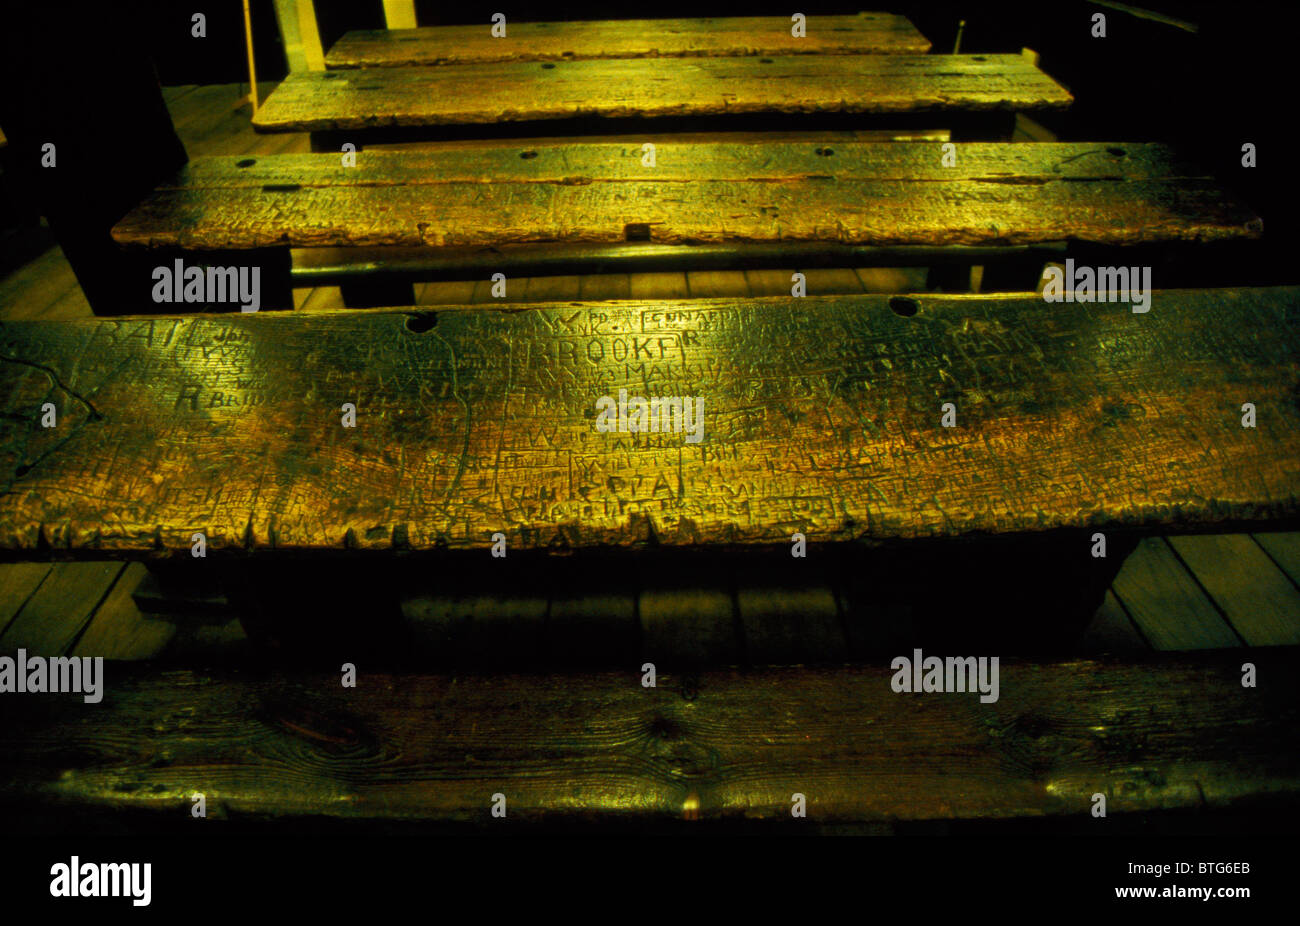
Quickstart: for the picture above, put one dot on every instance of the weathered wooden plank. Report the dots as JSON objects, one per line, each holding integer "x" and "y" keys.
{"x": 454, "y": 150}
{"x": 805, "y": 156}
{"x": 863, "y": 34}
{"x": 1252, "y": 592}
{"x": 1169, "y": 734}
{"x": 478, "y": 94}
{"x": 864, "y": 194}
{"x": 822, "y": 415}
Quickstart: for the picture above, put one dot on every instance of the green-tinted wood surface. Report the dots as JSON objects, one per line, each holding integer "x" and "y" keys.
{"x": 822, "y": 415}
{"x": 851, "y": 193}
{"x": 1172, "y": 734}
{"x": 865, "y": 33}
{"x": 477, "y": 94}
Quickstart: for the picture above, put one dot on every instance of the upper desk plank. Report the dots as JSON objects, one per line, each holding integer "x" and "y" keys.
{"x": 863, "y": 34}
{"x": 821, "y": 415}
{"x": 529, "y": 91}
{"x": 852, "y": 193}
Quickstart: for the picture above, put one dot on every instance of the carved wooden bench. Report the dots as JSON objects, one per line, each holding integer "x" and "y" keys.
{"x": 517, "y": 208}
{"x": 732, "y": 36}
{"x": 820, "y": 415}
{"x": 974, "y": 96}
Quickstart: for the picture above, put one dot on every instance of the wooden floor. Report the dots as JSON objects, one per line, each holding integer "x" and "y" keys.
{"x": 1176, "y": 593}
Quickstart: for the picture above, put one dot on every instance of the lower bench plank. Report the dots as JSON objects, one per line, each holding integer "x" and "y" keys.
{"x": 1171, "y": 734}
{"x": 822, "y": 415}
{"x": 865, "y": 33}
{"x": 511, "y": 92}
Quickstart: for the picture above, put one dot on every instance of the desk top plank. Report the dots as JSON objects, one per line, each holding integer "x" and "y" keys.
{"x": 851, "y": 193}
{"x": 477, "y": 94}
{"x": 863, "y": 34}
{"x": 822, "y": 416}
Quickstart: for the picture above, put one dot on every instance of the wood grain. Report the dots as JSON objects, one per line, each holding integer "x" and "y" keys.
{"x": 851, "y": 193}
{"x": 481, "y": 94}
{"x": 18, "y": 582}
{"x": 1164, "y": 735}
{"x": 1254, "y": 594}
{"x": 1283, "y": 549}
{"x": 865, "y": 33}
{"x": 1167, "y": 605}
{"x": 118, "y": 630}
{"x": 1112, "y": 631}
{"x": 822, "y": 416}
{"x": 31, "y": 290}
{"x": 55, "y": 615}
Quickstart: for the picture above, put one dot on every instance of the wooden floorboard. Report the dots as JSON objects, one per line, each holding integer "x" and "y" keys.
{"x": 18, "y": 582}
{"x": 1112, "y": 631}
{"x": 1254, "y": 595}
{"x": 30, "y": 291}
{"x": 117, "y": 630}
{"x": 1167, "y": 604}
{"x": 1283, "y": 549}
{"x": 55, "y": 615}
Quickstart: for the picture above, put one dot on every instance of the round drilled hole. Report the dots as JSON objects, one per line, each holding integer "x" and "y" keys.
{"x": 528, "y": 155}
{"x": 246, "y": 162}
{"x": 904, "y": 306}
{"x": 548, "y": 66}
{"x": 1117, "y": 152}
{"x": 825, "y": 152}
{"x": 765, "y": 61}
{"x": 424, "y": 321}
